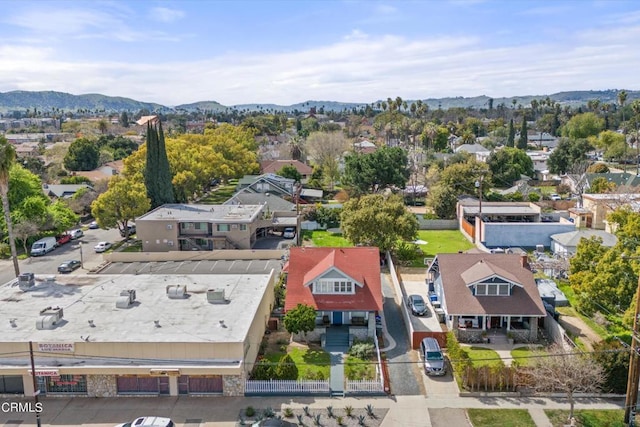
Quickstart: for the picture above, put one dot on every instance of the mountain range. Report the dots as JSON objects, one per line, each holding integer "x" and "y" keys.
{"x": 47, "y": 101}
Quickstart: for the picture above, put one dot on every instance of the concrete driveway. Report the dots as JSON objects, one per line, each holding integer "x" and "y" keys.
{"x": 402, "y": 361}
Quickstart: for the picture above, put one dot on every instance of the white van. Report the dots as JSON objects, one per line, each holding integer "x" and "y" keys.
{"x": 432, "y": 356}
{"x": 149, "y": 422}
{"x": 43, "y": 246}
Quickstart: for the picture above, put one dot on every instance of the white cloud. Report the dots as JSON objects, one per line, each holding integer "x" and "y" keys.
{"x": 164, "y": 14}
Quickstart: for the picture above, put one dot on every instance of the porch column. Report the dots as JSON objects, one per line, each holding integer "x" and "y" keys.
{"x": 484, "y": 322}
{"x": 508, "y": 323}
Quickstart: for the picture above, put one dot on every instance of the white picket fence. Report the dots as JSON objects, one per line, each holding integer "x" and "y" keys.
{"x": 286, "y": 387}
{"x": 364, "y": 386}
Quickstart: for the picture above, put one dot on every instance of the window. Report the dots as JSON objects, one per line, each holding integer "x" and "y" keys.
{"x": 223, "y": 227}
{"x": 198, "y": 225}
{"x": 243, "y": 227}
{"x": 484, "y": 289}
{"x": 333, "y": 287}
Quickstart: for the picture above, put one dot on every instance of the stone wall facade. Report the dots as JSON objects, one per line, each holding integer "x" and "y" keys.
{"x": 233, "y": 385}
{"x": 359, "y": 332}
{"x": 101, "y": 386}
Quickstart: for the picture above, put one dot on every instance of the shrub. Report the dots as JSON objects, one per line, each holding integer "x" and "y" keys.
{"x": 316, "y": 420}
{"x": 534, "y": 197}
{"x": 370, "y": 411}
{"x": 362, "y": 349}
{"x": 5, "y": 250}
{"x": 286, "y": 369}
{"x": 250, "y": 411}
{"x": 348, "y": 410}
{"x": 269, "y": 413}
{"x": 306, "y": 411}
{"x": 299, "y": 418}
{"x": 361, "y": 420}
{"x": 288, "y": 412}
{"x": 330, "y": 411}
{"x": 263, "y": 370}
{"x": 340, "y": 421}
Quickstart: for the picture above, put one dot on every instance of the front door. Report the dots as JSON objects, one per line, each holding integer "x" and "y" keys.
{"x": 337, "y": 318}
{"x": 495, "y": 322}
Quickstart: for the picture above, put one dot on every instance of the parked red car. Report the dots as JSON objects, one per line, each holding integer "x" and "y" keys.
{"x": 63, "y": 238}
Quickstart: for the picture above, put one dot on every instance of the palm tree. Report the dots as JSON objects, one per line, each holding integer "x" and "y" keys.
{"x": 7, "y": 157}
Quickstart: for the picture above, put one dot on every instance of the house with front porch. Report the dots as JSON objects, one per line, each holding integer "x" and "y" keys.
{"x": 483, "y": 292}
{"x": 341, "y": 284}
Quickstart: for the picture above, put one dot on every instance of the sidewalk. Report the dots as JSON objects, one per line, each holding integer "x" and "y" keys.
{"x": 224, "y": 411}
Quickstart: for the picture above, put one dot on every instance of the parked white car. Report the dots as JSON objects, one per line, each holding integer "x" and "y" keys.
{"x": 555, "y": 197}
{"x": 102, "y": 246}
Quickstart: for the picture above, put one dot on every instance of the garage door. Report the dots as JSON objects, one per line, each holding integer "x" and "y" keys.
{"x": 192, "y": 384}
{"x": 133, "y": 384}
{"x": 11, "y": 384}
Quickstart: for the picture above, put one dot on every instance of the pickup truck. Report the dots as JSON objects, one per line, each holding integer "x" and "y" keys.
{"x": 63, "y": 238}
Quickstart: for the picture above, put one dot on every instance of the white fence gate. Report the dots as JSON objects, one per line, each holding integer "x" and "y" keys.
{"x": 285, "y": 387}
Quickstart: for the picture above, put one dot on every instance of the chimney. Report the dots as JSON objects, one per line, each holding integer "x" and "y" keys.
{"x": 524, "y": 261}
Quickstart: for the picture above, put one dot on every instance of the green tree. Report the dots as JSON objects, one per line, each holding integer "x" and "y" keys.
{"x": 157, "y": 175}
{"x": 103, "y": 126}
{"x": 290, "y": 172}
{"x": 301, "y": 319}
{"x": 122, "y": 202}
{"x": 613, "y": 358}
{"x": 83, "y": 155}
{"x": 286, "y": 368}
{"x": 327, "y": 149}
{"x": 511, "y": 136}
{"x": 583, "y": 126}
{"x": 601, "y": 185}
{"x": 522, "y": 141}
{"x": 124, "y": 119}
{"x": 378, "y": 220}
{"x": 567, "y": 154}
{"x": 508, "y": 164}
{"x": 373, "y": 172}
{"x": 7, "y": 158}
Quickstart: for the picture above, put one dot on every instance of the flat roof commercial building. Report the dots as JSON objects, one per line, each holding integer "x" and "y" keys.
{"x": 110, "y": 335}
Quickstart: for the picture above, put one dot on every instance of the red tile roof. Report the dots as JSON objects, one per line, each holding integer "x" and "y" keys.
{"x": 459, "y": 270}
{"x": 362, "y": 264}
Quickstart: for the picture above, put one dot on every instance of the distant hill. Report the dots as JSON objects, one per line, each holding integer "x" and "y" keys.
{"x": 47, "y": 101}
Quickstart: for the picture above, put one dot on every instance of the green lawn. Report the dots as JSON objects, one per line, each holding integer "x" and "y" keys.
{"x": 481, "y": 356}
{"x": 323, "y": 238}
{"x": 588, "y": 417}
{"x": 500, "y": 417}
{"x": 308, "y": 362}
{"x": 522, "y": 355}
{"x": 219, "y": 195}
{"x": 133, "y": 246}
{"x": 570, "y": 311}
{"x": 443, "y": 241}
{"x": 358, "y": 369}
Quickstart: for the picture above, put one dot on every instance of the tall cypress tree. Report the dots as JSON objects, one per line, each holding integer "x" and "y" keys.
{"x": 157, "y": 175}
{"x": 523, "y": 140}
{"x": 511, "y": 135}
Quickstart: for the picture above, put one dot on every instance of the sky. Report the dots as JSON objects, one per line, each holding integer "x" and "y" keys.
{"x": 285, "y": 52}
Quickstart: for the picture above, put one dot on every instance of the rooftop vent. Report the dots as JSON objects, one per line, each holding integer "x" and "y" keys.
{"x": 177, "y": 291}
{"x": 126, "y": 298}
{"x": 26, "y": 281}
{"x": 216, "y": 296}
{"x": 49, "y": 318}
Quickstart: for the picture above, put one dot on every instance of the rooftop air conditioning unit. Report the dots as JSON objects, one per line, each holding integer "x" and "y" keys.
{"x": 49, "y": 318}
{"x": 177, "y": 291}
{"x": 26, "y": 281}
{"x": 216, "y": 296}
{"x": 126, "y": 298}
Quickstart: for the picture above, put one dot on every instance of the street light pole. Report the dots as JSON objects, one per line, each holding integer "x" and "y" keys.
{"x": 81, "y": 257}
{"x": 634, "y": 370}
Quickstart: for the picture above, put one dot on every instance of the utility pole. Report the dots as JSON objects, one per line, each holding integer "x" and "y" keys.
{"x": 36, "y": 391}
{"x": 478, "y": 185}
{"x": 634, "y": 369}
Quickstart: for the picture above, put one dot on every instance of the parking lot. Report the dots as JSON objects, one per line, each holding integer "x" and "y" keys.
{"x": 422, "y": 323}
{"x": 258, "y": 266}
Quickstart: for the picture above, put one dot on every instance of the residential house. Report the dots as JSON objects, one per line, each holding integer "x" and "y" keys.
{"x": 364, "y": 147}
{"x": 267, "y": 183}
{"x": 273, "y": 166}
{"x": 582, "y": 183}
{"x": 480, "y": 292}
{"x": 132, "y": 335}
{"x": 540, "y": 168}
{"x": 596, "y": 208}
{"x": 25, "y": 150}
{"x": 282, "y": 212}
{"x": 565, "y": 244}
{"x": 509, "y": 224}
{"x": 481, "y": 153}
{"x": 544, "y": 140}
{"x": 341, "y": 284}
{"x": 183, "y": 227}
{"x": 105, "y": 171}
{"x": 63, "y": 191}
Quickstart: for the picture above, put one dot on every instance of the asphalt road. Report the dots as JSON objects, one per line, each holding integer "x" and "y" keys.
{"x": 48, "y": 264}
{"x": 403, "y": 366}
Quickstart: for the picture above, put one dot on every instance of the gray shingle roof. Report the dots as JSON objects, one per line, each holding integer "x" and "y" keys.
{"x": 572, "y": 238}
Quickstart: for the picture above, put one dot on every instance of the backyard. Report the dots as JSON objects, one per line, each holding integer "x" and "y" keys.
{"x": 442, "y": 241}
{"x": 324, "y": 238}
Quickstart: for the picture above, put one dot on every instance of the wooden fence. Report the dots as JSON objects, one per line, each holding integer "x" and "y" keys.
{"x": 487, "y": 378}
